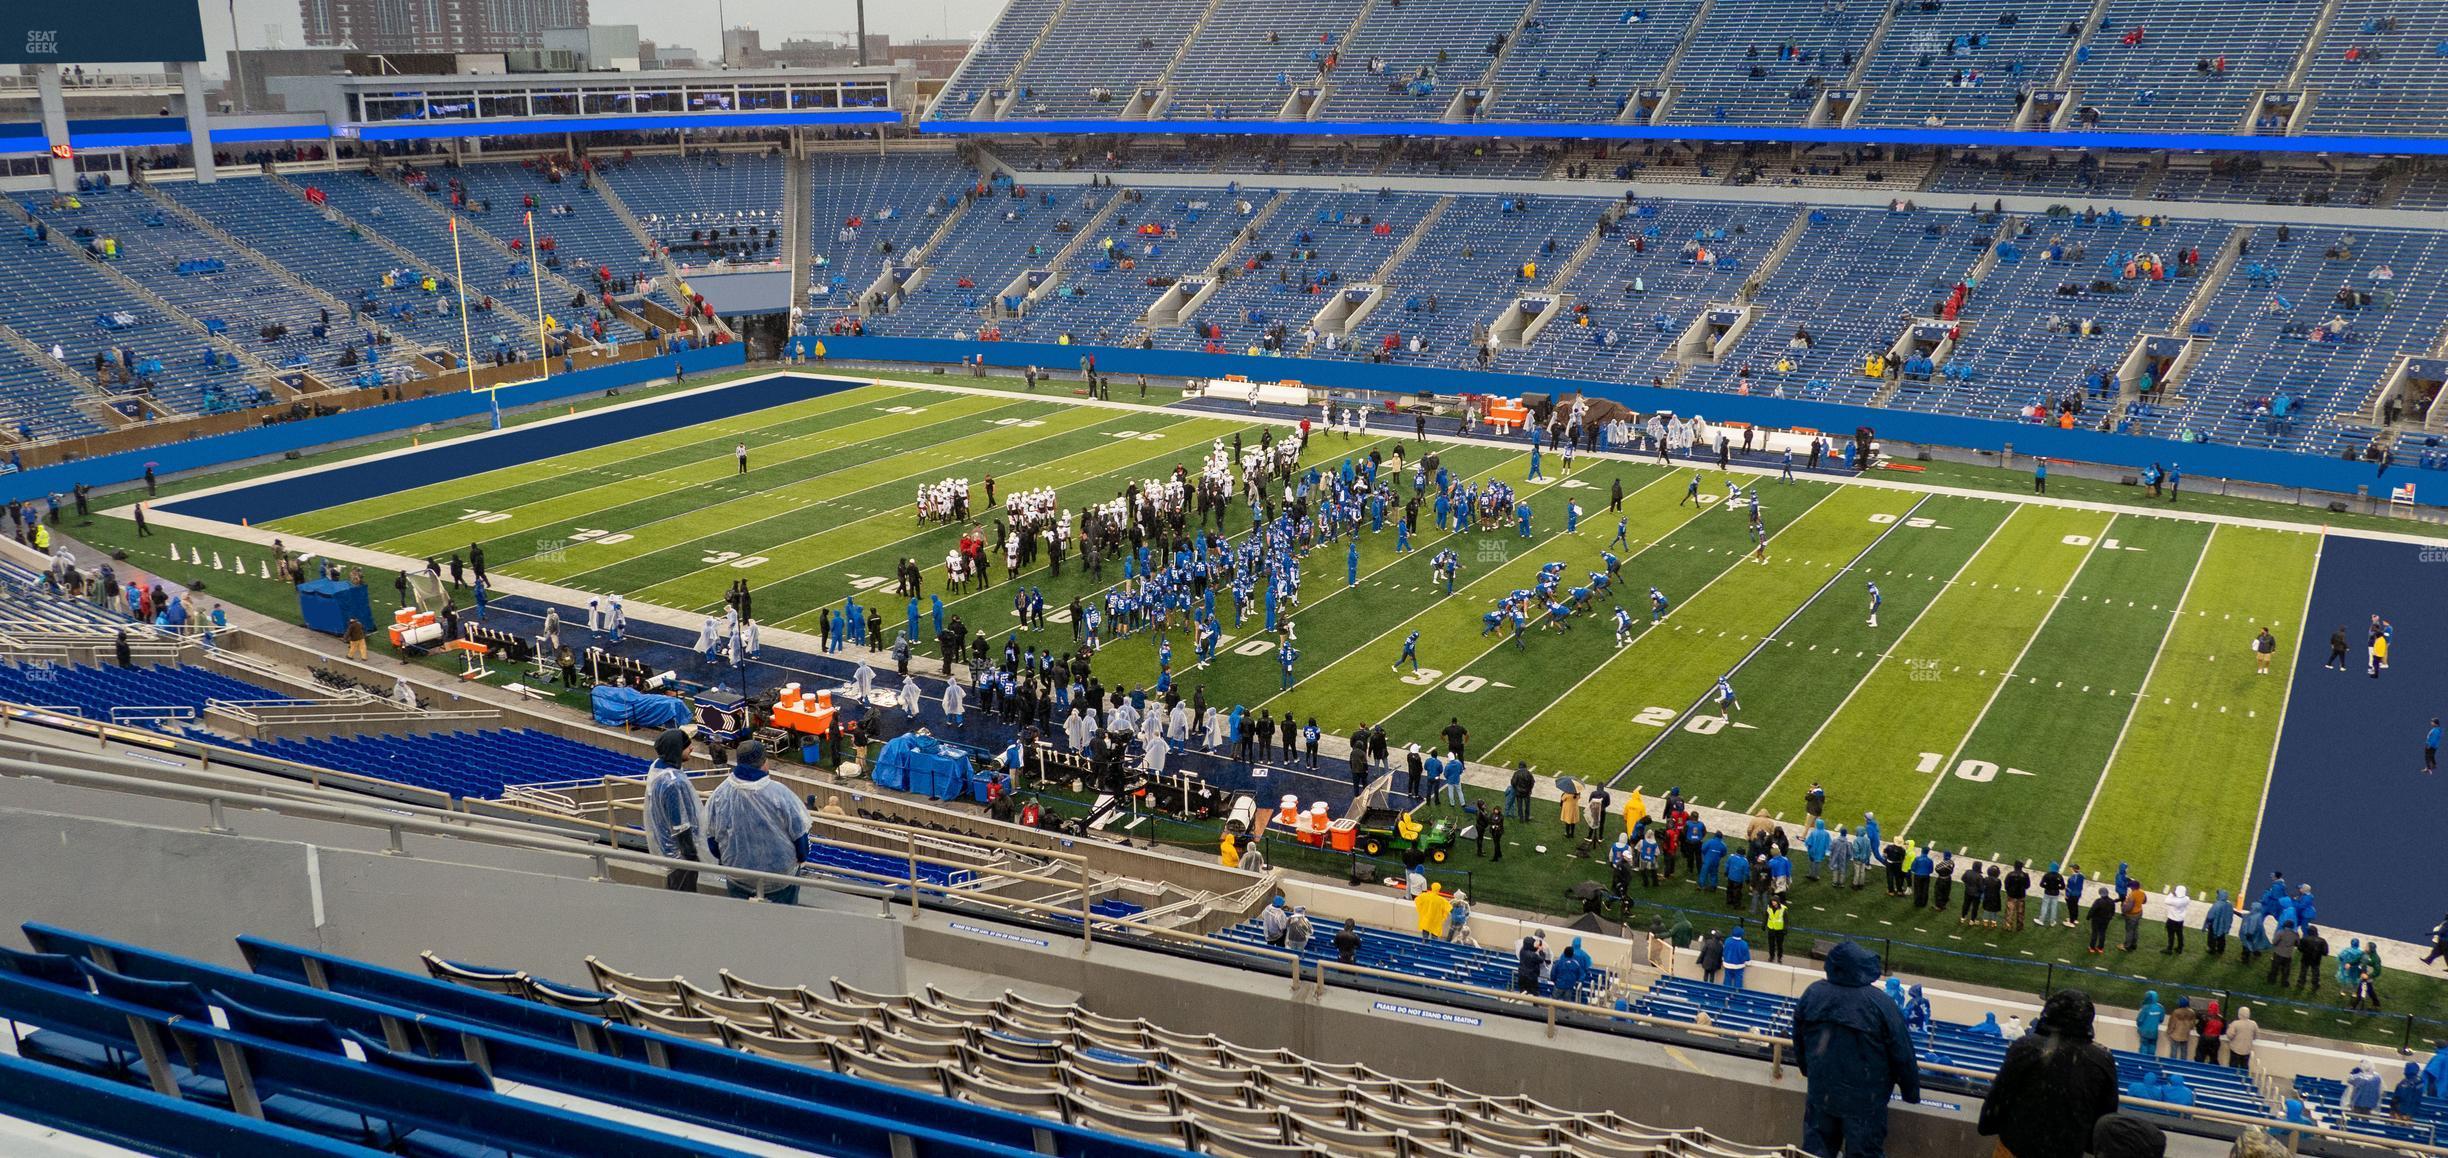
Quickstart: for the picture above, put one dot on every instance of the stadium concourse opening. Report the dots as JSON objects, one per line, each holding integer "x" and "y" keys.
{"x": 1636, "y": 544}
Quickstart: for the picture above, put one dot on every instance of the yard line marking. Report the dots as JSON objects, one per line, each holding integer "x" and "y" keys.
{"x": 1671, "y": 728}
{"x": 1501, "y": 638}
{"x": 2135, "y": 708}
{"x": 2261, "y": 811}
{"x": 727, "y": 486}
{"x": 1847, "y": 701}
{"x": 1938, "y": 778}
{"x": 617, "y": 477}
{"x": 929, "y": 529}
{"x": 1397, "y": 560}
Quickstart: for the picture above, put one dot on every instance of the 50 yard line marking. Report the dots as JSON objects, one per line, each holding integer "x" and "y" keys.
{"x": 2006, "y": 677}
{"x": 2141, "y": 693}
{"x": 1676, "y": 724}
{"x": 1398, "y": 560}
{"x": 1872, "y": 671}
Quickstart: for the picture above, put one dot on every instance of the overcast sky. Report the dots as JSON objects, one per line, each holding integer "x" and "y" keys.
{"x": 262, "y": 23}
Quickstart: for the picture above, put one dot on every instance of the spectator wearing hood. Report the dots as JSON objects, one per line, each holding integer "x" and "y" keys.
{"x": 1572, "y": 971}
{"x": 2406, "y": 1101}
{"x": 1712, "y": 956}
{"x": 2126, "y": 1136}
{"x": 1917, "y": 1015}
{"x": 1274, "y": 921}
{"x": 1737, "y": 955}
{"x": 2218, "y": 923}
{"x": 2242, "y": 1033}
{"x": 1434, "y": 908}
{"x": 2207, "y": 1034}
{"x": 2361, "y": 1094}
{"x": 1816, "y": 845}
{"x": 2282, "y": 952}
{"x": 2435, "y": 1071}
{"x": 1922, "y": 867}
{"x": 2054, "y": 1085}
{"x": 2181, "y": 1022}
{"x": 2146, "y": 1023}
{"x": 1851, "y": 1044}
{"x": 1530, "y": 963}
{"x": 673, "y": 818}
{"x": 754, "y": 822}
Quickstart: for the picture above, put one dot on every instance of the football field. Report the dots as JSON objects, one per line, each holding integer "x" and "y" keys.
{"x": 2041, "y": 680}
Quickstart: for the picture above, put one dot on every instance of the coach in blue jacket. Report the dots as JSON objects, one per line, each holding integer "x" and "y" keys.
{"x": 1850, "y": 1042}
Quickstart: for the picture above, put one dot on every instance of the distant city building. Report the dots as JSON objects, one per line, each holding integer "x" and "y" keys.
{"x": 437, "y": 25}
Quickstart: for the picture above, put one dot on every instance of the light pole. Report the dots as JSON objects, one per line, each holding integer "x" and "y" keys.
{"x": 722, "y": 36}
{"x": 237, "y": 58}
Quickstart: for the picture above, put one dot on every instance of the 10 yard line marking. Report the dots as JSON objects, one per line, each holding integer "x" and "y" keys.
{"x": 2005, "y": 678}
{"x": 1872, "y": 670}
{"x": 1671, "y": 728}
{"x": 2175, "y": 616}
{"x": 461, "y": 496}
{"x": 588, "y": 515}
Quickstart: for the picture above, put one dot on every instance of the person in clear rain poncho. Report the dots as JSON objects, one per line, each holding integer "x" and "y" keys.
{"x": 753, "y": 822}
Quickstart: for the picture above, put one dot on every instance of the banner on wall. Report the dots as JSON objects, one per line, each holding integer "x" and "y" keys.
{"x": 122, "y": 30}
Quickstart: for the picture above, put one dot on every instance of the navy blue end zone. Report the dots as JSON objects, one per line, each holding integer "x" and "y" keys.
{"x": 2348, "y": 801}
{"x": 351, "y": 482}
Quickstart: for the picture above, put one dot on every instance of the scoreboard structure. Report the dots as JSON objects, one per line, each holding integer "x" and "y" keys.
{"x": 121, "y": 30}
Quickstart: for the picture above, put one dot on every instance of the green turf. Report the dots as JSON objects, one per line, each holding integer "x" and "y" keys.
{"x": 1624, "y": 700}
{"x": 2200, "y": 497}
{"x": 2018, "y": 784}
{"x": 1818, "y": 659}
{"x": 1937, "y": 678}
{"x": 2182, "y": 798}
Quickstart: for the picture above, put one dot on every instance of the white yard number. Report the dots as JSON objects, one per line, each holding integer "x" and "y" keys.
{"x": 1917, "y": 523}
{"x": 1704, "y": 725}
{"x": 2078, "y": 540}
{"x": 734, "y": 558}
{"x": 1655, "y": 717}
{"x": 1976, "y": 771}
{"x": 1572, "y": 484}
{"x": 484, "y": 517}
{"x": 598, "y": 537}
{"x": 1460, "y": 685}
{"x": 1254, "y": 647}
{"x": 905, "y": 410}
{"x": 1024, "y": 422}
{"x": 1135, "y": 434}
{"x": 857, "y": 582}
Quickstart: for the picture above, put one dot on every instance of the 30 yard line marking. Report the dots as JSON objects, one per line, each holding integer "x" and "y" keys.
{"x": 2090, "y": 552}
{"x": 2175, "y": 614}
{"x": 1872, "y": 670}
{"x": 1671, "y": 728}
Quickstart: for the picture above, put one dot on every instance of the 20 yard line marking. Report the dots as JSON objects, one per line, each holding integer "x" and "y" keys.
{"x": 1866, "y": 675}
{"x": 1671, "y": 728}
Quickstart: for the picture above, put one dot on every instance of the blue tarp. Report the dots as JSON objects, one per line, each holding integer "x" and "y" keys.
{"x": 919, "y": 764}
{"x": 616, "y": 706}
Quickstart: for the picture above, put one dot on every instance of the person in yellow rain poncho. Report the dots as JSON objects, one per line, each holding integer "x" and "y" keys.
{"x": 1231, "y": 857}
{"x": 1636, "y": 810}
{"x": 1434, "y": 907}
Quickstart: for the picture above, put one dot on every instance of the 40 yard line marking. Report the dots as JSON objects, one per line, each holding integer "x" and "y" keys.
{"x": 1549, "y": 537}
{"x": 1872, "y": 670}
{"x": 1670, "y": 729}
{"x": 935, "y": 528}
{"x": 2175, "y": 616}
{"x": 2006, "y": 677}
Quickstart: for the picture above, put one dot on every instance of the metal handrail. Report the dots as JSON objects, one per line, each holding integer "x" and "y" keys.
{"x": 216, "y": 791}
